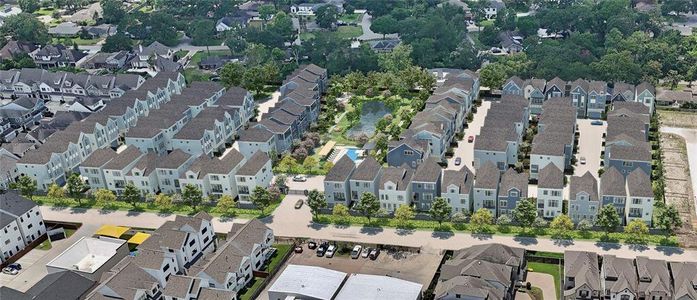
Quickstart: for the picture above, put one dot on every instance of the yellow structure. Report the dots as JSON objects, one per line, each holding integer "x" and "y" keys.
{"x": 326, "y": 149}
{"x": 112, "y": 231}
{"x": 138, "y": 238}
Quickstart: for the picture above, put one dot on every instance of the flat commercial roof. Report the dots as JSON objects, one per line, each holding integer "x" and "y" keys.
{"x": 376, "y": 287}
{"x": 308, "y": 281}
{"x": 87, "y": 254}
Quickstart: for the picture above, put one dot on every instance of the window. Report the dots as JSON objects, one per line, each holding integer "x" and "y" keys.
{"x": 636, "y": 201}
{"x": 627, "y": 163}
{"x": 488, "y": 193}
{"x": 192, "y": 243}
{"x": 553, "y": 203}
{"x": 408, "y": 152}
{"x": 514, "y": 193}
{"x": 165, "y": 268}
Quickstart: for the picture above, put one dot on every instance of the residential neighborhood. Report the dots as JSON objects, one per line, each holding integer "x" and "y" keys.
{"x": 348, "y": 149}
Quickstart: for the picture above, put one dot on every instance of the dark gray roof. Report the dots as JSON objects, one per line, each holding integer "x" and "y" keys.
{"x": 641, "y": 151}
{"x": 178, "y": 286}
{"x": 174, "y": 159}
{"x": 367, "y": 170}
{"x": 401, "y": 177}
{"x": 551, "y": 177}
{"x": 98, "y": 158}
{"x": 622, "y": 273}
{"x": 123, "y": 158}
{"x": 582, "y": 83}
{"x": 428, "y": 171}
{"x": 205, "y": 165}
{"x": 60, "y": 286}
{"x": 585, "y": 183}
{"x": 469, "y": 286}
{"x": 14, "y": 203}
{"x": 639, "y": 184}
{"x": 597, "y": 86}
{"x": 635, "y": 107}
{"x": 487, "y": 176}
{"x": 215, "y": 294}
{"x": 584, "y": 268}
{"x": 341, "y": 171}
{"x": 234, "y": 96}
{"x": 556, "y": 81}
{"x": 255, "y": 134}
{"x": 463, "y": 179}
{"x": 254, "y": 164}
{"x": 645, "y": 86}
{"x": 245, "y": 236}
{"x": 4, "y": 220}
{"x": 494, "y": 137}
{"x": 511, "y": 179}
{"x": 684, "y": 275}
{"x": 656, "y": 271}
{"x": 494, "y": 253}
{"x": 612, "y": 183}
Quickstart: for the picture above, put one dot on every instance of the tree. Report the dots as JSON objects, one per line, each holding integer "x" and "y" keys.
{"x": 225, "y": 205}
{"x": 113, "y": 11}
{"x": 193, "y": 195}
{"x": 55, "y": 191}
{"x": 326, "y": 16}
{"x": 28, "y": 6}
{"x": 163, "y": 201}
{"x": 104, "y": 196}
{"x": 561, "y": 225}
{"x": 231, "y": 74}
{"x": 26, "y": 186}
{"x": 667, "y": 218}
{"x": 266, "y": 11}
{"x": 202, "y": 32}
{"x": 310, "y": 163}
{"x": 490, "y": 36}
{"x": 369, "y": 205}
{"x": 540, "y": 223}
{"x": 316, "y": 201}
{"x": 237, "y": 45}
{"x": 403, "y": 214}
{"x": 397, "y": 60}
{"x": 117, "y": 42}
{"x": 608, "y": 218}
{"x": 76, "y": 187}
{"x": 24, "y": 27}
{"x": 493, "y": 75}
{"x": 481, "y": 220}
{"x": 261, "y": 198}
{"x": 458, "y": 219}
{"x": 281, "y": 181}
{"x": 340, "y": 213}
{"x": 440, "y": 210}
{"x": 385, "y": 25}
{"x": 637, "y": 231}
{"x": 131, "y": 195}
{"x": 525, "y": 212}
{"x": 584, "y": 225}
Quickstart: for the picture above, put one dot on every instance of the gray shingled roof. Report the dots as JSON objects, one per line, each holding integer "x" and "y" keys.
{"x": 401, "y": 177}
{"x": 223, "y": 165}
{"x": 488, "y": 176}
{"x": 14, "y": 203}
{"x": 494, "y": 253}
{"x": 511, "y": 179}
{"x": 657, "y": 273}
{"x": 256, "y": 134}
{"x": 551, "y": 177}
{"x": 252, "y": 166}
{"x": 469, "y": 286}
{"x": 123, "y": 158}
{"x": 98, "y": 158}
{"x": 463, "y": 179}
{"x": 684, "y": 275}
{"x": 178, "y": 286}
{"x": 585, "y": 183}
{"x": 367, "y": 170}
{"x": 427, "y": 171}
{"x": 623, "y": 270}
{"x": 639, "y": 184}
{"x": 612, "y": 183}
{"x": 342, "y": 170}
{"x": 584, "y": 268}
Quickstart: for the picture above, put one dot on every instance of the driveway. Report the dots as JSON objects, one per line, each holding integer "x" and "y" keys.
{"x": 368, "y": 34}
{"x": 590, "y": 145}
{"x": 313, "y": 182}
{"x": 268, "y": 104}
{"x": 464, "y": 149}
{"x": 545, "y": 282}
{"x": 690, "y": 136}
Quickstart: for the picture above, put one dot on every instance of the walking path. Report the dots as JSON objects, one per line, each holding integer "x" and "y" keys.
{"x": 690, "y": 136}
{"x": 291, "y": 222}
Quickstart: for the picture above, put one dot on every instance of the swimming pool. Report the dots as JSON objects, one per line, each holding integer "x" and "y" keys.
{"x": 352, "y": 153}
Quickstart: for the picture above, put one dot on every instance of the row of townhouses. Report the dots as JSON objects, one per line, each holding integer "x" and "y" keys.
{"x": 500, "y": 137}
{"x": 183, "y": 259}
{"x": 589, "y": 276}
{"x": 489, "y": 271}
{"x": 21, "y": 224}
{"x": 432, "y": 130}
{"x": 589, "y": 97}
{"x": 65, "y": 149}
{"x": 298, "y": 107}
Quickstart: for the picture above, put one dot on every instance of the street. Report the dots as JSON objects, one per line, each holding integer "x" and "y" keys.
{"x": 465, "y": 150}
{"x": 690, "y": 136}
{"x": 368, "y": 34}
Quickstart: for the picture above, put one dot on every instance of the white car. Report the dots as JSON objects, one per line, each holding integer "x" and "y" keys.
{"x": 10, "y": 271}
{"x": 330, "y": 251}
{"x": 299, "y": 178}
{"x": 356, "y": 252}
{"x": 582, "y": 160}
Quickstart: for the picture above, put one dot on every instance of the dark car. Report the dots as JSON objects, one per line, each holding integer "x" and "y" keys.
{"x": 298, "y": 249}
{"x": 311, "y": 245}
{"x": 470, "y": 139}
{"x": 597, "y": 123}
{"x": 299, "y": 204}
{"x": 15, "y": 266}
{"x": 374, "y": 254}
{"x": 458, "y": 161}
{"x": 322, "y": 249}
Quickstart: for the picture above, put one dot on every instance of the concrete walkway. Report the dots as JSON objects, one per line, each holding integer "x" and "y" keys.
{"x": 690, "y": 136}
{"x": 545, "y": 282}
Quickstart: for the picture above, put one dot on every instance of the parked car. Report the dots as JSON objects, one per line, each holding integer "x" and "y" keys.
{"x": 15, "y": 266}
{"x": 298, "y": 249}
{"x": 366, "y": 252}
{"x": 597, "y": 123}
{"x": 322, "y": 249}
{"x": 311, "y": 245}
{"x": 470, "y": 139}
{"x": 582, "y": 160}
{"x": 356, "y": 252}
{"x": 374, "y": 254}
{"x": 458, "y": 161}
{"x": 299, "y": 178}
{"x": 299, "y": 204}
{"x": 330, "y": 251}
{"x": 10, "y": 271}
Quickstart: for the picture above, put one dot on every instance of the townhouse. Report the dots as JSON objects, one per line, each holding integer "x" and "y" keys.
{"x": 579, "y": 89}
{"x": 143, "y": 175}
{"x": 534, "y": 91}
{"x": 502, "y": 132}
{"x": 489, "y": 271}
{"x": 365, "y": 178}
{"x": 23, "y": 112}
{"x": 336, "y": 183}
{"x": 583, "y": 198}
{"x": 116, "y": 170}
{"x": 92, "y": 168}
{"x": 555, "y": 139}
{"x": 407, "y": 151}
{"x": 256, "y": 139}
{"x": 214, "y": 176}
{"x": 613, "y": 190}
{"x": 458, "y": 188}
{"x": 684, "y": 276}
{"x": 556, "y": 88}
{"x": 21, "y": 223}
{"x": 426, "y": 184}
{"x": 640, "y": 197}
{"x": 486, "y": 187}
{"x": 512, "y": 189}
{"x": 626, "y": 143}
{"x": 144, "y": 55}
{"x": 581, "y": 276}
{"x": 550, "y": 192}
{"x": 395, "y": 188}
{"x": 623, "y": 92}
{"x": 646, "y": 94}
{"x": 654, "y": 278}
{"x": 255, "y": 172}
{"x": 170, "y": 168}
{"x": 56, "y": 56}
{"x": 619, "y": 277}
{"x": 597, "y": 99}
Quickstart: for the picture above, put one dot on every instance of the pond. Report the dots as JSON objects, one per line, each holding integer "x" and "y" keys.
{"x": 371, "y": 113}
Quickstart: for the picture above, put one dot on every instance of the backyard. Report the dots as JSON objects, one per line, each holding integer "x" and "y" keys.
{"x": 552, "y": 269}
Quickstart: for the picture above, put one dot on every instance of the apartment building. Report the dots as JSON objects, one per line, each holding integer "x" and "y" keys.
{"x": 20, "y": 222}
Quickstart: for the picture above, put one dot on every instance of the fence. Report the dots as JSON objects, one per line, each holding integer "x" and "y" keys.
{"x": 271, "y": 274}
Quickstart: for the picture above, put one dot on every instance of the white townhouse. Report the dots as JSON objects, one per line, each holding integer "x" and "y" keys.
{"x": 116, "y": 170}
{"x": 457, "y": 189}
{"x": 143, "y": 175}
{"x": 550, "y": 192}
{"x": 583, "y": 198}
{"x": 256, "y": 139}
{"x": 237, "y": 97}
{"x": 253, "y": 238}
{"x": 170, "y": 168}
{"x": 21, "y": 223}
{"x": 640, "y": 197}
{"x": 365, "y": 178}
{"x": 92, "y": 168}
{"x": 486, "y": 188}
{"x": 214, "y": 176}
{"x": 395, "y": 188}
{"x": 255, "y": 172}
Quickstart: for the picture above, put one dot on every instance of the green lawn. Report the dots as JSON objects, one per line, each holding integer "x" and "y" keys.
{"x": 45, "y": 11}
{"x": 348, "y": 32}
{"x": 77, "y": 40}
{"x": 281, "y": 250}
{"x": 306, "y": 36}
{"x": 45, "y": 245}
{"x": 194, "y": 74}
{"x": 556, "y": 271}
{"x": 247, "y": 295}
{"x": 202, "y": 54}
{"x": 182, "y": 209}
{"x": 350, "y": 18}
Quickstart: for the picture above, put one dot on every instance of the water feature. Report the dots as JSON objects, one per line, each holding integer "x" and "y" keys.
{"x": 371, "y": 113}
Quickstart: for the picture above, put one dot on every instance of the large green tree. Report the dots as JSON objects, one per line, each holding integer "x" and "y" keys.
{"x": 667, "y": 218}
{"x": 28, "y": 6}
{"x": 131, "y": 195}
{"x": 26, "y": 186}
{"x": 326, "y": 15}
{"x": 113, "y": 11}
{"x": 76, "y": 187}
{"x": 261, "y": 198}
{"x": 608, "y": 219}
{"x": 369, "y": 205}
{"x": 25, "y": 27}
{"x": 316, "y": 201}
{"x": 117, "y": 42}
{"x": 440, "y": 210}
{"x": 525, "y": 212}
{"x": 193, "y": 195}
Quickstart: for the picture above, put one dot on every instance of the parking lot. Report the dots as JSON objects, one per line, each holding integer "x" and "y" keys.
{"x": 590, "y": 146}
{"x": 411, "y": 266}
{"x": 465, "y": 149}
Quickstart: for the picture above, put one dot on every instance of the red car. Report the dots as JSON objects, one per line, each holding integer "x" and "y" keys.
{"x": 470, "y": 139}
